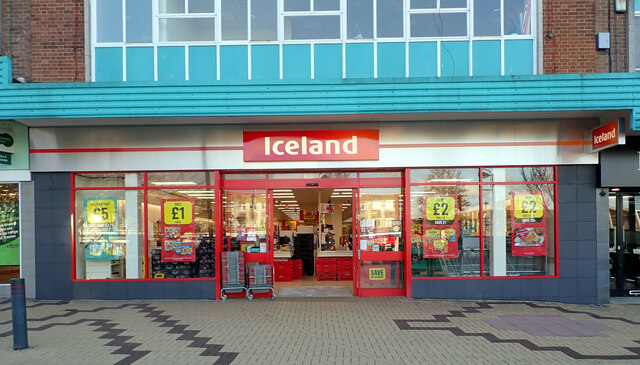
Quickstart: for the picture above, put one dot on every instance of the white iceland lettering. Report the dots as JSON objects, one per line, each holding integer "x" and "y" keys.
{"x": 308, "y": 146}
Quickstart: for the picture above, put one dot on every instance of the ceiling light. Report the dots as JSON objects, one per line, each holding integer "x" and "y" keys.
{"x": 282, "y": 190}
{"x": 173, "y": 183}
{"x": 288, "y": 201}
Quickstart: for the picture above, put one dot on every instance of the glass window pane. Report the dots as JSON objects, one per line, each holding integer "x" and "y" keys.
{"x": 201, "y": 6}
{"x": 111, "y": 180}
{"x": 138, "y": 20}
{"x": 264, "y": 20}
{"x": 10, "y": 228}
{"x": 359, "y": 19}
{"x": 312, "y": 27}
{"x": 517, "y": 17}
{"x": 514, "y": 174}
{"x": 187, "y": 30}
{"x": 297, "y": 5}
{"x": 487, "y": 17}
{"x": 454, "y": 3}
{"x": 109, "y": 234}
{"x": 381, "y": 219}
{"x": 326, "y": 5}
{"x": 390, "y": 18}
{"x": 445, "y": 230}
{"x": 439, "y": 25}
{"x": 109, "y": 19}
{"x": 381, "y": 275}
{"x": 445, "y": 176}
{"x": 245, "y": 219}
{"x": 186, "y": 178}
{"x": 424, "y": 4}
{"x": 171, "y": 7}
{"x": 519, "y": 236}
{"x": 234, "y": 20}
{"x": 368, "y": 175}
{"x": 181, "y": 249}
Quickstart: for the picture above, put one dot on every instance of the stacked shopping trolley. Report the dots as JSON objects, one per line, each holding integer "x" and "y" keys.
{"x": 260, "y": 280}
{"x": 233, "y": 274}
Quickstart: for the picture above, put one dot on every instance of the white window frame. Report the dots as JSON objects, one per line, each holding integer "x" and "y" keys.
{"x": 342, "y": 40}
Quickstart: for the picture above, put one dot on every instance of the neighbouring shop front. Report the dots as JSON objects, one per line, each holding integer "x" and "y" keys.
{"x": 620, "y": 173}
{"x": 404, "y": 208}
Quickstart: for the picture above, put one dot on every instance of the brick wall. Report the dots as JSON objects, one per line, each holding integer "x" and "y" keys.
{"x": 16, "y": 36}
{"x": 569, "y": 36}
{"x": 45, "y": 39}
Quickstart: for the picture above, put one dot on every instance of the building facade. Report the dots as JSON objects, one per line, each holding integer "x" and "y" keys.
{"x": 422, "y": 148}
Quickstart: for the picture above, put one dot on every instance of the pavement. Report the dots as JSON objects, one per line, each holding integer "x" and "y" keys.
{"x": 323, "y": 331}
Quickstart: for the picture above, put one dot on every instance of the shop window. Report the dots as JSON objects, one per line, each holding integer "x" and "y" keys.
{"x": 109, "y": 234}
{"x": 381, "y": 225}
{"x": 245, "y": 220}
{"x": 182, "y": 243}
{"x": 502, "y": 226}
{"x": 314, "y": 175}
{"x": 9, "y": 232}
{"x": 445, "y": 229}
{"x": 381, "y": 275}
{"x": 519, "y": 229}
{"x": 390, "y": 174}
{"x": 244, "y": 176}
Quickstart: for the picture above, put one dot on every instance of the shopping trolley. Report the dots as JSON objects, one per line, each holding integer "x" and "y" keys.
{"x": 233, "y": 274}
{"x": 260, "y": 280}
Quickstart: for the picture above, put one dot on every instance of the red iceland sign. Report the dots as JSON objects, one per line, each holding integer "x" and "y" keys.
{"x": 336, "y": 145}
{"x": 605, "y": 136}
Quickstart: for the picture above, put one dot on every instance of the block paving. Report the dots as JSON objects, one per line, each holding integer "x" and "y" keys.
{"x": 332, "y": 330}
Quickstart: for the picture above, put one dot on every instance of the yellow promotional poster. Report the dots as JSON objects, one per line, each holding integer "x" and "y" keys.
{"x": 441, "y": 208}
{"x": 528, "y": 206}
{"x": 101, "y": 211}
{"x": 178, "y": 212}
{"x": 377, "y": 274}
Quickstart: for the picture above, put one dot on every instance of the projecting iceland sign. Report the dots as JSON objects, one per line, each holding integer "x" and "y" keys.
{"x": 335, "y": 145}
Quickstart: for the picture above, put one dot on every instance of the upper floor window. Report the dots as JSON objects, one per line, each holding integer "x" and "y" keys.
{"x": 219, "y": 21}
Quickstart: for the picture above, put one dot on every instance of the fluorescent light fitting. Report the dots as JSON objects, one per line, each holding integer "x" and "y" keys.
{"x": 282, "y": 190}
{"x": 196, "y": 191}
{"x": 173, "y": 183}
{"x": 288, "y": 201}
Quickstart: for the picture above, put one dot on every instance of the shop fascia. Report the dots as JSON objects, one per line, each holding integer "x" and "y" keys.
{"x": 310, "y": 146}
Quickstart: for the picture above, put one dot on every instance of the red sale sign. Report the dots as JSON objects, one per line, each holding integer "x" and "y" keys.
{"x": 336, "y": 145}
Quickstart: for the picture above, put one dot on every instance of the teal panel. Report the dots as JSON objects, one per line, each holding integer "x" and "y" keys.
{"x": 486, "y": 58}
{"x": 108, "y": 64}
{"x": 171, "y": 63}
{"x": 265, "y": 62}
{"x": 637, "y": 4}
{"x": 359, "y": 60}
{"x": 423, "y": 59}
{"x": 518, "y": 57}
{"x": 202, "y": 63}
{"x": 140, "y": 64}
{"x": 327, "y": 61}
{"x": 391, "y": 59}
{"x": 234, "y": 63}
{"x": 5, "y": 70}
{"x": 296, "y": 62}
{"x": 454, "y": 59}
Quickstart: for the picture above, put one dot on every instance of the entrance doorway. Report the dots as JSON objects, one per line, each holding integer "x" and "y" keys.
{"x": 313, "y": 241}
{"x": 624, "y": 243}
{"x": 339, "y": 233}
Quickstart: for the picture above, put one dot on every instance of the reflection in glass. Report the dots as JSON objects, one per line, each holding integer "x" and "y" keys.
{"x": 443, "y": 176}
{"x": 186, "y": 29}
{"x": 297, "y": 5}
{"x": 182, "y": 178}
{"x": 360, "y": 19}
{"x": 312, "y": 27}
{"x": 109, "y": 23}
{"x": 516, "y": 174}
{"x": 171, "y": 7}
{"x": 110, "y": 180}
{"x": 201, "y": 6}
{"x": 326, "y": 5}
{"x": 138, "y": 21}
{"x": 517, "y": 17}
{"x": 439, "y": 25}
{"x": 486, "y": 15}
{"x": 390, "y": 19}
{"x": 381, "y": 219}
{"x": 234, "y": 20}
{"x": 264, "y": 20}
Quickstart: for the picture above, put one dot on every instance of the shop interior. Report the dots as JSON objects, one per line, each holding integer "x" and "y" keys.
{"x": 313, "y": 239}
